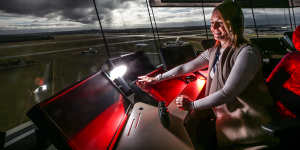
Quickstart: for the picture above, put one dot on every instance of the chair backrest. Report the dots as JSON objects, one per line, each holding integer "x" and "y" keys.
{"x": 287, "y": 41}
{"x": 272, "y": 49}
{"x": 284, "y": 85}
{"x": 269, "y": 45}
{"x": 208, "y": 43}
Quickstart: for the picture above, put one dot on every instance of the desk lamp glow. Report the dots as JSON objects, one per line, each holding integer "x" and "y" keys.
{"x": 117, "y": 72}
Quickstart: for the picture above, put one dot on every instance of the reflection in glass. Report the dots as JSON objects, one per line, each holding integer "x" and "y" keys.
{"x": 45, "y": 46}
{"x": 127, "y": 27}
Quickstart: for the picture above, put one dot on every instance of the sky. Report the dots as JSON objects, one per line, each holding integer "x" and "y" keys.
{"x": 22, "y": 15}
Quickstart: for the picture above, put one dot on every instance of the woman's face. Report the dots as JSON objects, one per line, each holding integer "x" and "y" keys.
{"x": 217, "y": 27}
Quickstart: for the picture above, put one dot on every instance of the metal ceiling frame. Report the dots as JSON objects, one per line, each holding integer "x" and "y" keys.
{"x": 213, "y": 3}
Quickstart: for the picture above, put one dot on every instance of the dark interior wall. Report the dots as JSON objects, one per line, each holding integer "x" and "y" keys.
{"x": 2, "y": 139}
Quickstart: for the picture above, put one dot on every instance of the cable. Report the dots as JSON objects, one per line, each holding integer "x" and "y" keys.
{"x": 103, "y": 36}
{"x": 295, "y": 24}
{"x": 291, "y": 23}
{"x": 156, "y": 28}
{"x": 154, "y": 37}
{"x": 156, "y": 45}
{"x": 285, "y": 18}
{"x": 203, "y": 12}
{"x": 253, "y": 18}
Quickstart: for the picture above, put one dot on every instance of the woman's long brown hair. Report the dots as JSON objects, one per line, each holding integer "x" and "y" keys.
{"x": 233, "y": 18}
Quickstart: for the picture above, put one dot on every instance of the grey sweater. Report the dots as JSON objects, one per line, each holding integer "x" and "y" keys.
{"x": 236, "y": 93}
{"x": 243, "y": 71}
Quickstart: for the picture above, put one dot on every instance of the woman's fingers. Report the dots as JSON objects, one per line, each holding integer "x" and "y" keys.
{"x": 179, "y": 101}
{"x": 182, "y": 102}
{"x": 141, "y": 78}
{"x": 145, "y": 79}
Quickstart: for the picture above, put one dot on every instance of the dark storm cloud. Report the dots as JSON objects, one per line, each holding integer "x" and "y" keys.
{"x": 75, "y": 10}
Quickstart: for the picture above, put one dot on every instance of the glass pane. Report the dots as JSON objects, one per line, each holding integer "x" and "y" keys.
{"x": 297, "y": 15}
{"x": 184, "y": 24}
{"x": 46, "y": 46}
{"x": 272, "y": 22}
{"x": 127, "y": 27}
{"x": 249, "y": 24}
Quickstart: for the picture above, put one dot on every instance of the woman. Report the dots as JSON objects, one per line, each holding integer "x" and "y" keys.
{"x": 235, "y": 89}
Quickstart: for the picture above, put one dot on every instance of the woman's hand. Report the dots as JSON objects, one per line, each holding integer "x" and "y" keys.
{"x": 147, "y": 80}
{"x": 183, "y": 102}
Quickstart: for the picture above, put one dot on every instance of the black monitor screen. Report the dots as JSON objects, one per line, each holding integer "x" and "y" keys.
{"x": 88, "y": 114}
{"x": 137, "y": 64}
{"x": 177, "y": 55}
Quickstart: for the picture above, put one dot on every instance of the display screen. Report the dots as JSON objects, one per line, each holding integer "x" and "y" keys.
{"x": 137, "y": 63}
{"x": 177, "y": 55}
{"x": 88, "y": 114}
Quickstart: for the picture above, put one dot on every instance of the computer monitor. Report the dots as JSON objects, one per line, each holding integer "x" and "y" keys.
{"x": 174, "y": 54}
{"x": 86, "y": 116}
{"x": 137, "y": 63}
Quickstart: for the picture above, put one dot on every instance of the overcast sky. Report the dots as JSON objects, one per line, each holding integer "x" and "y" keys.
{"x": 80, "y": 14}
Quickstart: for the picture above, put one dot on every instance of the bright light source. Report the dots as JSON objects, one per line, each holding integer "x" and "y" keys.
{"x": 200, "y": 84}
{"x": 44, "y": 87}
{"x": 36, "y": 90}
{"x": 118, "y": 72}
{"x": 40, "y": 88}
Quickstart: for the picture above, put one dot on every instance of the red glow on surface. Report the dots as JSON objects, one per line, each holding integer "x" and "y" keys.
{"x": 68, "y": 90}
{"x": 99, "y": 134}
{"x": 163, "y": 91}
{"x": 114, "y": 140}
{"x": 290, "y": 64}
{"x": 283, "y": 111}
{"x": 285, "y": 78}
{"x": 296, "y": 38}
{"x": 200, "y": 84}
{"x": 194, "y": 89}
{"x": 168, "y": 90}
{"x": 39, "y": 81}
{"x": 275, "y": 70}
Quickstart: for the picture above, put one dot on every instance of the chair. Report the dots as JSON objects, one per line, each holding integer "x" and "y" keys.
{"x": 174, "y": 54}
{"x": 271, "y": 50}
{"x": 284, "y": 85}
{"x": 207, "y": 43}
